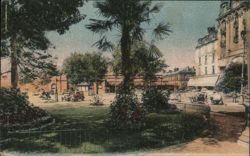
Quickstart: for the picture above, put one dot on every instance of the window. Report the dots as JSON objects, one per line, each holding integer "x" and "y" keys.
{"x": 213, "y": 70}
{"x": 236, "y": 28}
{"x": 213, "y": 57}
{"x": 223, "y": 34}
{"x": 205, "y": 59}
{"x": 205, "y": 70}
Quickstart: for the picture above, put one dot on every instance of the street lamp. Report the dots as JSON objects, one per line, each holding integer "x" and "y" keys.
{"x": 243, "y": 36}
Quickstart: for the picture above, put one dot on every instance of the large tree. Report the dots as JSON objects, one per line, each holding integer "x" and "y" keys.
{"x": 27, "y": 23}
{"x": 88, "y": 67}
{"x": 129, "y": 18}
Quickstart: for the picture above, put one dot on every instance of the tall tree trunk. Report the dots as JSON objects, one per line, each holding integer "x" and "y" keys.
{"x": 13, "y": 61}
{"x": 125, "y": 51}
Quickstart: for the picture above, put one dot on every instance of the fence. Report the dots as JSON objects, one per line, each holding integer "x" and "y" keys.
{"x": 85, "y": 141}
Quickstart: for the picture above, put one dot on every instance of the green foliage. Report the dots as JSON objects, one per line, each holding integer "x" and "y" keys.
{"x": 97, "y": 101}
{"x": 40, "y": 67}
{"x": 177, "y": 126}
{"x": 126, "y": 112}
{"x": 129, "y": 15}
{"x": 85, "y": 131}
{"x": 25, "y": 38}
{"x": 129, "y": 18}
{"x": 88, "y": 67}
{"x": 16, "y": 109}
{"x": 145, "y": 60}
{"x": 155, "y": 100}
{"x": 231, "y": 80}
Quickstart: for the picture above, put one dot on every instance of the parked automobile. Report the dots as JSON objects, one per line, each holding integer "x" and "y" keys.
{"x": 216, "y": 99}
{"x": 77, "y": 96}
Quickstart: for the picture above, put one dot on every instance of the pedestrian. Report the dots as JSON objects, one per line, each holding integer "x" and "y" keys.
{"x": 234, "y": 97}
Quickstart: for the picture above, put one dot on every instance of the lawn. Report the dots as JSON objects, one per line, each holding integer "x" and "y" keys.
{"x": 83, "y": 130}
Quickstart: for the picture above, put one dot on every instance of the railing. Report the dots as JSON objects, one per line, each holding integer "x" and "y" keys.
{"x": 86, "y": 141}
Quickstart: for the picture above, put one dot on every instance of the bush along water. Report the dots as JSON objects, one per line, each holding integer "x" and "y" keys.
{"x": 126, "y": 112}
{"x": 16, "y": 109}
{"x": 155, "y": 100}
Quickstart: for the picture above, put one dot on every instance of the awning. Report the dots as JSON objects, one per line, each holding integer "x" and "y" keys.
{"x": 204, "y": 81}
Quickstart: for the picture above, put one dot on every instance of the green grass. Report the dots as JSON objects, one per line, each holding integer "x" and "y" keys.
{"x": 83, "y": 130}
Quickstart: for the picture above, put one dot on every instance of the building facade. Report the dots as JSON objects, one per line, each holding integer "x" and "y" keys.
{"x": 233, "y": 21}
{"x": 206, "y": 60}
{"x": 219, "y": 49}
{"x": 179, "y": 78}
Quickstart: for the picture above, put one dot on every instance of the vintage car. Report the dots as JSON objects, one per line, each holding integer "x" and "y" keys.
{"x": 77, "y": 96}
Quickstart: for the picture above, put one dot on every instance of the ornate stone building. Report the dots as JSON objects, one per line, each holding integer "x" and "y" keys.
{"x": 223, "y": 46}
{"x": 233, "y": 20}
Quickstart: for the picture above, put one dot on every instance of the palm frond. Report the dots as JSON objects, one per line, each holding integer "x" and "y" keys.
{"x": 137, "y": 34}
{"x": 104, "y": 44}
{"x": 161, "y": 30}
{"x": 154, "y": 51}
{"x": 100, "y": 26}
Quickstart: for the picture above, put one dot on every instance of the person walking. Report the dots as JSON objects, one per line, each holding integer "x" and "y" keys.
{"x": 234, "y": 97}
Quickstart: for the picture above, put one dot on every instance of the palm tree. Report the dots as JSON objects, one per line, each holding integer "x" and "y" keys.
{"x": 127, "y": 17}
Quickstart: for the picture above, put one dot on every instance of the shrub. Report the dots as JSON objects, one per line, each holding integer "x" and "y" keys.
{"x": 16, "y": 109}
{"x": 155, "y": 100}
{"x": 97, "y": 101}
{"x": 126, "y": 112}
{"x": 231, "y": 79}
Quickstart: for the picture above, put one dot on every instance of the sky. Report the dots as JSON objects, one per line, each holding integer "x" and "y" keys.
{"x": 188, "y": 19}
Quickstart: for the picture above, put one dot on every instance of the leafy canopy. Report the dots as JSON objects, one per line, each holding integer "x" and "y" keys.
{"x": 231, "y": 80}
{"x": 146, "y": 60}
{"x": 88, "y": 67}
{"x": 27, "y": 24}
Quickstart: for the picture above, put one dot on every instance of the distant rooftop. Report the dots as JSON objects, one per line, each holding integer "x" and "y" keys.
{"x": 211, "y": 36}
{"x": 187, "y": 70}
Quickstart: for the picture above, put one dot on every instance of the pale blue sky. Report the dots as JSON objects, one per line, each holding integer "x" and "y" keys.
{"x": 189, "y": 21}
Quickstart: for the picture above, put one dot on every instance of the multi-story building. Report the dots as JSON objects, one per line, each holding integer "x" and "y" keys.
{"x": 179, "y": 78}
{"x": 217, "y": 50}
{"x": 233, "y": 22}
{"x": 206, "y": 61}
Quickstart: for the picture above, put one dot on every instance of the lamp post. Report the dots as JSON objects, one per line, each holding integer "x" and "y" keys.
{"x": 243, "y": 36}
